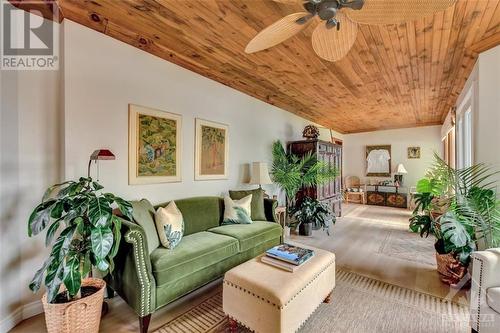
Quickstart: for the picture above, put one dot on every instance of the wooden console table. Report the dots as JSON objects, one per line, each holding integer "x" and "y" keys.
{"x": 386, "y": 198}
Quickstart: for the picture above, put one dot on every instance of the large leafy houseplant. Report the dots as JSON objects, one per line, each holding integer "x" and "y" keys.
{"x": 312, "y": 211}
{"x": 82, "y": 231}
{"x": 471, "y": 211}
{"x": 292, "y": 173}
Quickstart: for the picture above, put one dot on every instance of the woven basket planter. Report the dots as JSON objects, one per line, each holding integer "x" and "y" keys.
{"x": 451, "y": 270}
{"x": 80, "y": 316}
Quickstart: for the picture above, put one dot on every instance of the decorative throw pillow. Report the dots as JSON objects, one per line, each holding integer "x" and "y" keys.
{"x": 237, "y": 211}
{"x": 258, "y": 211}
{"x": 170, "y": 225}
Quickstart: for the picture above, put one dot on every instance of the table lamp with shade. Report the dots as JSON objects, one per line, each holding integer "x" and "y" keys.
{"x": 398, "y": 175}
{"x": 260, "y": 174}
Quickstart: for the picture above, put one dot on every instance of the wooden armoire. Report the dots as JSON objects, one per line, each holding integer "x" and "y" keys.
{"x": 331, "y": 153}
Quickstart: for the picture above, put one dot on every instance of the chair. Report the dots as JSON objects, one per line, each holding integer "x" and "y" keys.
{"x": 485, "y": 291}
{"x": 354, "y": 191}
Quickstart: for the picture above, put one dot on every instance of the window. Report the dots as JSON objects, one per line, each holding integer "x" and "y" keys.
{"x": 464, "y": 134}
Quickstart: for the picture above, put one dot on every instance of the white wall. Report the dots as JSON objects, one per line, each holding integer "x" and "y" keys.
{"x": 427, "y": 138}
{"x": 103, "y": 75}
{"x": 29, "y": 162}
{"x": 486, "y": 127}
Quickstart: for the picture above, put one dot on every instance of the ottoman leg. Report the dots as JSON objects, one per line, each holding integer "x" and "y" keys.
{"x": 328, "y": 298}
{"x": 233, "y": 325}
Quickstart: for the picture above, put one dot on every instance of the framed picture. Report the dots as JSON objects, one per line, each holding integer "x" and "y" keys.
{"x": 211, "y": 150}
{"x": 378, "y": 161}
{"x": 154, "y": 146}
{"x": 413, "y": 152}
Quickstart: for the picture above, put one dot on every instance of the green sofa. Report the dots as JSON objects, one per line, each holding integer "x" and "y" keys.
{"x": 148, "y": 276}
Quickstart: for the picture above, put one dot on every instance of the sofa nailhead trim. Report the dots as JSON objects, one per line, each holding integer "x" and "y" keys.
{"x": 479, "y": 292}
{"x": 290, "y": 300}
{"x": 135, "y": 238}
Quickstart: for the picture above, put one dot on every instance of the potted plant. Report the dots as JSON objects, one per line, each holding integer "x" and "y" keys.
{"x": 82, "y": 232}
{"x": 312, "y": 214}
{"x": 291, "y": 173}
{"x": 468, "y": 213}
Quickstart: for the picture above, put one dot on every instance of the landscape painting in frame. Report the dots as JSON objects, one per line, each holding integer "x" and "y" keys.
{"x": 212, "y": 150}
{"x": 154, "y": 146}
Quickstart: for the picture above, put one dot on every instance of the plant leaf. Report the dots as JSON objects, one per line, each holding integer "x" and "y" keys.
{"x": 51, "y": 231}
{"x": 99, "y": 211}
{"x": 72, "y": 277}
{"x": 36, "y": 282}
{"x": 39, "y": 218}
{"x": 102, "y": 241}
{"x": 117, "y": 224}
{"x": 124, "y": 206}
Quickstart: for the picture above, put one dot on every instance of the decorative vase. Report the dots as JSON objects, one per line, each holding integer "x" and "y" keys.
{"x": 286, "y": 232}
{"x": 79, "y": 316}
{"x": 305, "y": 229}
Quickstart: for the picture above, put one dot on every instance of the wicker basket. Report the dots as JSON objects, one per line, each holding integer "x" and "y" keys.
{"x": 80, "y": 316}
{"x": 450, "y": 269}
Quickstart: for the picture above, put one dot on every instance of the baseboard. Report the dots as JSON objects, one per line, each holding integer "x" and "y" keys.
{"x": 23, "y": 312}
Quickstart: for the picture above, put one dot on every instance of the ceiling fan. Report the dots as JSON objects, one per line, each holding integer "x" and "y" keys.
{"x": 335, "y": 35}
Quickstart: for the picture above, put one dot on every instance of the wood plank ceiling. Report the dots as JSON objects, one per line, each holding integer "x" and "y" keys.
{"x": 395, "y": 76}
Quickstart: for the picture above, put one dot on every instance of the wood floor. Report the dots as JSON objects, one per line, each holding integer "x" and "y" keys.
{"x": 372, "y": 241}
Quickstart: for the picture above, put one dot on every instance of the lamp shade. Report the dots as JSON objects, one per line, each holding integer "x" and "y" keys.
{"x": 260, "y": 174}
{"x": 102, "y": 154}
{"x": 401, "y": 168}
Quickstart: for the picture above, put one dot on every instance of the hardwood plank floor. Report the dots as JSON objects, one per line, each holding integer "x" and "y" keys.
{"x": 368, "y": 240}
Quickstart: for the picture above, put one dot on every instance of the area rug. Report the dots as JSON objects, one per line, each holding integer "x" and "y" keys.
{"x": 359, "y": 304}
{"x": 405, "y": 245}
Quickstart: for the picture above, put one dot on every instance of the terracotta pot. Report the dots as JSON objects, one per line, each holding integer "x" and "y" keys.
{"x": 79, "y": 316}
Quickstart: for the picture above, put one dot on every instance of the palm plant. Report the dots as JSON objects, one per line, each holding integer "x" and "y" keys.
{"x": 293, "y": 173}
{"x": 472, "y": 211}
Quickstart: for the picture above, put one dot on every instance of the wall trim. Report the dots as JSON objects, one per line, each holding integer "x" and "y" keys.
{"x": 21, "y": 313}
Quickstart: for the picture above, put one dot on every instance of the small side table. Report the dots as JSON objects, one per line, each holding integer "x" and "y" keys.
{"x": 281, "y": 215}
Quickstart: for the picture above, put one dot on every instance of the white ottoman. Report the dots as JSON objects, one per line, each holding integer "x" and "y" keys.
{"x": 270, "y": 300}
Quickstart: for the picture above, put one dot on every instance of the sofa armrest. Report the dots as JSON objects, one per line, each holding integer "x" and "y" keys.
{"x": 132, "y": 277}
{"x": 270, "y": 209}
{"x": 485, "y": 274}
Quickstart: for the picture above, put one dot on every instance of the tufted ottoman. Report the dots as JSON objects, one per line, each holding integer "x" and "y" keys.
{"x": 267, "y": 299}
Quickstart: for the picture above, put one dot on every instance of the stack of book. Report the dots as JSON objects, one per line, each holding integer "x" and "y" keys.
{"x": 287, "y": 257}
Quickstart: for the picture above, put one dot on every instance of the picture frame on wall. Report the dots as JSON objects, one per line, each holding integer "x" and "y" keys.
{"x": 378, "y": 161}
{"x": 413, "y": 152}
{"x": 211, "y": 150}
{"x": 154, "y": 146}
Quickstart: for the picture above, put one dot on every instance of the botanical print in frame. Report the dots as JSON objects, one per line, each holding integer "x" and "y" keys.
{"x": 211, "y": 151}
{"x": 378, "y": 161}
{"x": 413, "y": 152}
{"x": 154, "y": 146}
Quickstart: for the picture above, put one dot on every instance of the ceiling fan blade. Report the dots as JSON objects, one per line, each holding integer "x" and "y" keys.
{"x": 278, "y": 32}
{"x": 290, "y": 2}
{"x": 332, "y": 44}
{"x": 396, "y": 11}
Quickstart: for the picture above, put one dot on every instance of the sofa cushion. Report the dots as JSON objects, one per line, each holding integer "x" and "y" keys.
{"x": 250, "y": 235}
{"x": 237, "y": 211}
{"x": 143, "y": 214}
{"x": 170, "y": 225}
{"x": 199, "y": 213}
{"x": 257, "y": 213}
{"x": 195, "y": 252}
{"x": 493, "y": 298}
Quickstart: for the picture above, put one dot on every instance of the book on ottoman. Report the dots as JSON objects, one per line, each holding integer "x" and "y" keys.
{"x": 279, "y": 263}
{"x": 290, "y": 253}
